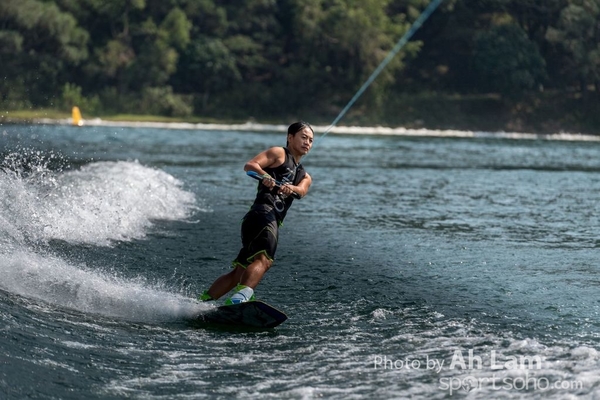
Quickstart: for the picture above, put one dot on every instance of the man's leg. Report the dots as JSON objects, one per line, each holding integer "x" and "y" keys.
{"x": 254, "y": 272}
{"x": 250, "y": 279}
{"x": 226, "y": 282}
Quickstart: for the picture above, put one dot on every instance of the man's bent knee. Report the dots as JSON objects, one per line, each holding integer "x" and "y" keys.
{"x": 261, "y": 261}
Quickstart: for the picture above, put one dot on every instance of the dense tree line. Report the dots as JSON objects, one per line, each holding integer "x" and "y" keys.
{"x": 273, "y": 58}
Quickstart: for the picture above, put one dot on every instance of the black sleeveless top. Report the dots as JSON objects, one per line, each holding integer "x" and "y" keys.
{"x": 268, "y": 199}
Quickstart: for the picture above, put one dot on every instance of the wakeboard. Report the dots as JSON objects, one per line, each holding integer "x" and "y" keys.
{"x": 252, "y": 315}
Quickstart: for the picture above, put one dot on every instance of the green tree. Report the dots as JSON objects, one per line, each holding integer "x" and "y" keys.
{"x": 206, "y": 67}
{"x": 158, "y": 49}
{"x": 507, "y": 62}
{"x": 254, "y": 40}
{"x": 111, "y": 24}
{"x": 576, "y": 33}
{"x": 39, "y": 42}
{"x": 333, "y": 46}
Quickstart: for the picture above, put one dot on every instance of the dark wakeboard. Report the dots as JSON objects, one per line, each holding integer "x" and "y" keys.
{"x": 252, "y": 314}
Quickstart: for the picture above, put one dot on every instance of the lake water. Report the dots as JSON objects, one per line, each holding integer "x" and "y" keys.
{"x": 417, "y": 267}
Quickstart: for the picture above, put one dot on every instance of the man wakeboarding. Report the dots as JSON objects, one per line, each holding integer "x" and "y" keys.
{"x": 282, "y": 178}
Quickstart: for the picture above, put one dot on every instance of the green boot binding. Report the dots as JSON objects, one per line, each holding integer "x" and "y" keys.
{"x": 205, "y": 296}
{"x": 242, "y": 294}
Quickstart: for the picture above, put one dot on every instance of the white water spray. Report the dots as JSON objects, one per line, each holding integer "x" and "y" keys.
{"x": 98, "y": 204}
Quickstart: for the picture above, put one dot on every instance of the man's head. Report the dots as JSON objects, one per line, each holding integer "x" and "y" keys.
{"x": 300, "y": 137}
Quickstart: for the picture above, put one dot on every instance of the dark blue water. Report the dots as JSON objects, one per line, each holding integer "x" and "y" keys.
{"x": 421, "y": 267}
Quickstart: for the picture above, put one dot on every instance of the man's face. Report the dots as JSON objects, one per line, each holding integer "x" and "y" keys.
{"x": 302, "y": 141}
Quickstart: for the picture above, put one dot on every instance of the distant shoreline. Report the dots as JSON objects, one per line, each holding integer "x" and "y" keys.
{"x": 319, "y": 130}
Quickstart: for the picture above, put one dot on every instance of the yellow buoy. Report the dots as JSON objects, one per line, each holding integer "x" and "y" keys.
{"x": 77, "y": 120}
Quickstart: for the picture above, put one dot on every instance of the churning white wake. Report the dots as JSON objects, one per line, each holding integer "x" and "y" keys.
{"x": 55, "y": 281}
{"x": 97, "y": 204}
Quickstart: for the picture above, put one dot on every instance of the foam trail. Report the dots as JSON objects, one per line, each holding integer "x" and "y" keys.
{"x": 52, "y": 280}
{"x": 98, "y": 204}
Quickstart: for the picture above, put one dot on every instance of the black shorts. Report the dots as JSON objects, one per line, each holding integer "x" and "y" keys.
{"x": 260, "y": 232}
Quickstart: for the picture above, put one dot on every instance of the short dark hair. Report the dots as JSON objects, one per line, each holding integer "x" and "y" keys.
{"x": 298, "y": 126}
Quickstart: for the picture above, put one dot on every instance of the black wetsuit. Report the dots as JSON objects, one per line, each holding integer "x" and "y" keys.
{"x": 260, "y": 226}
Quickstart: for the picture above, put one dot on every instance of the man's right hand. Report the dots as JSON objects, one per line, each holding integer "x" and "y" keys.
{"x": 268, "y": 181}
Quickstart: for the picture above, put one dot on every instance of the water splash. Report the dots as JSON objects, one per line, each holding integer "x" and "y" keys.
{"x": 98, "y": 204}
{"x": 41, "y": 199}
{"x": 52, "y": 280}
